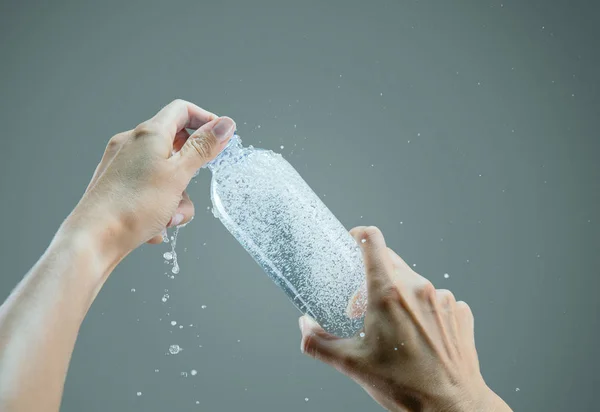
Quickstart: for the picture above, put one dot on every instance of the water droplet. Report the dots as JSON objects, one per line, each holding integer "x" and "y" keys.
{"x": 395, "y": 348}
{"x": 517, "y": 389}
{"x": 180, "y": 326}
{"x": 446, "y": 276}
{"x": 139, "y": 394}
{"x": 165, "y": 297}
{"x": 175, "y": 349}
{"x": 306, "y": 399}
{"x": 156, "y": 370}
{"x": 363, "y": 240}
{"x": 133, "y": 289}
{"x": 197, "y": 402}
{"x": 194, "y": 372}
{"x": 173, "y": 323}
{"x": 175, "y": 270}
{"x": 281, "y": 147}
{"x": 203, "y": 306}
{"x": 362, "y": 334}
{"x": 184, "y": 374}
{"x": 168, "y": 255}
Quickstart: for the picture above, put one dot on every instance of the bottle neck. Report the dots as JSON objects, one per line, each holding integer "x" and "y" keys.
{"x": 231, "y": 153}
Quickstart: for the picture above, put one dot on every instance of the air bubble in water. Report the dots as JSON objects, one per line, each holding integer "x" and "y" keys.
{"x": 292, "y": 235}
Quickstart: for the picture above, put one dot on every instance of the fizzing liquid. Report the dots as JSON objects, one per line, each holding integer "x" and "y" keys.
{"x": 280, "y": 221}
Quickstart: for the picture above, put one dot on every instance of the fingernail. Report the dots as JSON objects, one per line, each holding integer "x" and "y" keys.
{"x": 224, "y": 128}
{"x": 175, "y": 220}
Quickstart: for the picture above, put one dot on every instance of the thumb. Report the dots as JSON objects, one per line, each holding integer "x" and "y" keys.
{"x": 318, "y": 344}
{"x": 205, "y": 144}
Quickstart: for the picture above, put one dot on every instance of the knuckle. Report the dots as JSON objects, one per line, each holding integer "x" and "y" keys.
{"x": 372, "y": 232}
{"x": 307, "y": 346}
{"x": 426, "y": 293}
{"x": 389, "y": 296}
{"x": 114, "y": 143}
{"x": 464, "y": 308}
{"x": 203, "y": 145}
{"x": 144, "y": 129}
{"x": 178, "y": 102}
{"x": 355, "y": 231}
{"x": 445, "y": 297}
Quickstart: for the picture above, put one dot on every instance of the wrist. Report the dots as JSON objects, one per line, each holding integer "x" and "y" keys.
{"x": 483, "y": 400}
{"x": 98, "y": 238}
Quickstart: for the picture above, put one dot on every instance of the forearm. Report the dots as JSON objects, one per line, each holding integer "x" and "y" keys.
{"x": 40, "y": 320}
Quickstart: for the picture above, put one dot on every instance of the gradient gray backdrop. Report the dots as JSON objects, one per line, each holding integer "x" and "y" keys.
{"x": 466, "y": 130}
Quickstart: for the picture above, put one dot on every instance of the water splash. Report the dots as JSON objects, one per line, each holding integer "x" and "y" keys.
{"x": 171, "y": 256}
{"x": 175, "y": 349}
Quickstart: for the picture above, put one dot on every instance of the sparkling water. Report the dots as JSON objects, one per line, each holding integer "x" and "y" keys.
{"x": 280, "y": 221}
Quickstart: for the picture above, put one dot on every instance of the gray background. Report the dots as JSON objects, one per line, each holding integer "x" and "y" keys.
{"x": 466, "y": 130}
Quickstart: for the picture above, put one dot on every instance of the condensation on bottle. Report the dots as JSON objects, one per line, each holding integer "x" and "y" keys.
{"x": 273, "y": 213}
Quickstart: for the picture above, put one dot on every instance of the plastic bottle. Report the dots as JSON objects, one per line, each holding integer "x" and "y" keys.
{"x": 288, "y": 230}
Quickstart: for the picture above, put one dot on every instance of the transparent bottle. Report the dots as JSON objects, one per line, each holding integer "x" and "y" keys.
{"x": 288, "y": 230}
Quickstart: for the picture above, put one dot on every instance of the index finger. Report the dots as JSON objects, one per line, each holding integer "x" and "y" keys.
{"x": 376, "y": 258}
{"x": 180, "y": 114}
